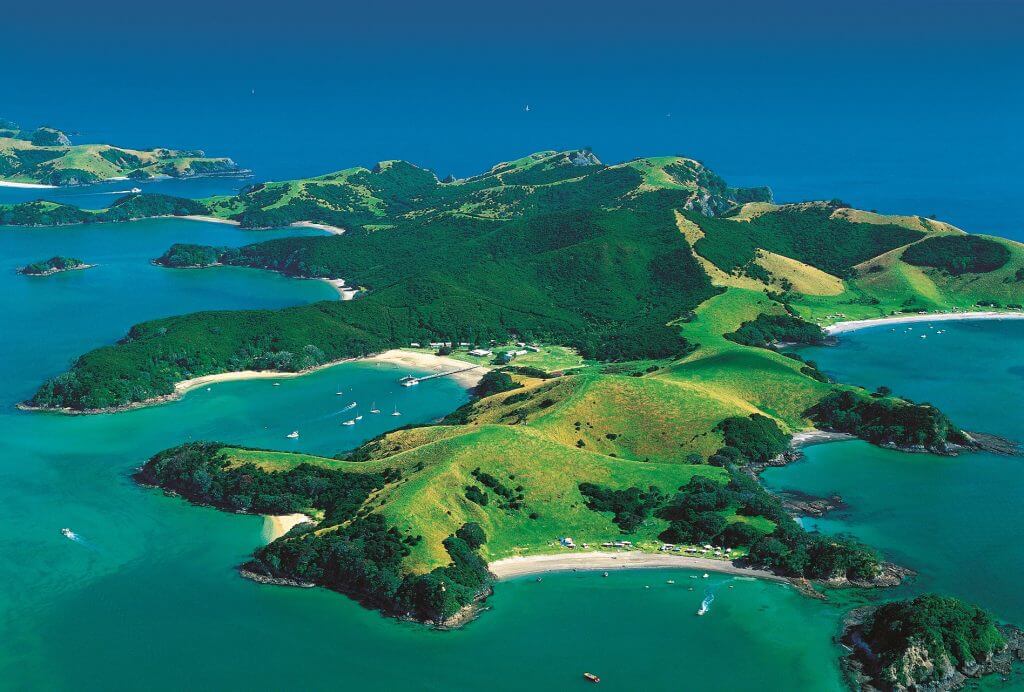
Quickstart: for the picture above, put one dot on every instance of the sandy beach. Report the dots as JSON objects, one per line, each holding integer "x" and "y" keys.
{"x": 853, "y": 325}
{"x": 276, "y": 526}
{"x": 807, "y": 438}
{"x": 510, "y": 567}
{"x": 333, "y": 230}
{"x": 207, "y": 219}
{"x": 28, "y": 186}
{"x": 428, "y": 361}
{"x": 410, "y": 359}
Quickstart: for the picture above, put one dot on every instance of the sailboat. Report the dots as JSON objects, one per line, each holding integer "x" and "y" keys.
{"x": 359, "y": 416}
{"x": 373, "y": 408}
{"x": 395, "y": 412}
{"x": 338, "y": 393}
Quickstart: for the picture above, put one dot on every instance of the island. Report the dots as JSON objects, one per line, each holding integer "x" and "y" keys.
{"x": 676, "y": 295}
{"x": 45, "y": 157}
{"x": 54, "y": 265}
{"x": 930, "y": 642}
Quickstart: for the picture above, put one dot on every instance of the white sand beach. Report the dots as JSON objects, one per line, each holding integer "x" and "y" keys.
{"x": 27, "y": 186}
{"x": 276, "y": 526}
{"x": 207, "y": 219}
{"x": 333, "y": 230}
{"x": 410, "y": 359}
{"x": 510, "y": 567}
{"x": 853, "y": 325}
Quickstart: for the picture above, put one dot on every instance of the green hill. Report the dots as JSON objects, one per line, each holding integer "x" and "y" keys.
{"x": 46, "y": 156}
{"x": 678, "y": 392}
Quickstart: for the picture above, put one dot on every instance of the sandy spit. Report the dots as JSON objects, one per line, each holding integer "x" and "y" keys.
{"x": 853, "y": 325}
{"x": 29, "y": 186}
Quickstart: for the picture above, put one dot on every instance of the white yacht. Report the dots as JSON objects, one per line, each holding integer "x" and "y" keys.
{"x": 292, "y": 435}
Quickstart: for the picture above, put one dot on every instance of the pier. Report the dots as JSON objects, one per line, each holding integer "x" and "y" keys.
{"x": 410, "y": 381}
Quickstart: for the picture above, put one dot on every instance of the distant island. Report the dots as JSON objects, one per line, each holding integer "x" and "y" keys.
{"x": 53, "y": 265}
{"x": 931, "y": 642}
{"x": 674, "y": 292}
{"x": 46, "y": 157}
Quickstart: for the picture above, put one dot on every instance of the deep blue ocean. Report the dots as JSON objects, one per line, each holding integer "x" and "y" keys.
{"x": 906, "y": 107}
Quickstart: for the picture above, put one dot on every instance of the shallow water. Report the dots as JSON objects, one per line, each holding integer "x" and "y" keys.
{"x": 955, "y": 520}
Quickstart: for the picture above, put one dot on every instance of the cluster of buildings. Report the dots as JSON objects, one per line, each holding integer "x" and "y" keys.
{"x": 521, "y": 349}
{"x": 704, "y": 550}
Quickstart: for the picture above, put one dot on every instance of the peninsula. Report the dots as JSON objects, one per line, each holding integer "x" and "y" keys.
{"x": 45, "y": 157}
{"x": 674, "y": 291}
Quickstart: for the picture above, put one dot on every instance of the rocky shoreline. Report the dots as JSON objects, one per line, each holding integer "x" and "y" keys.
{"x": 862, "y": 667}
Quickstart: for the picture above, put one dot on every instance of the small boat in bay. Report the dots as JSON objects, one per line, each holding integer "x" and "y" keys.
{"x": 68, "y": 533}
{"x": 395, "y": 412}
{"x": 292, "y": 435}
{"x": 373, "y": 408}
{"x": 348, "y": 422}
{"x": 590, "y": 677}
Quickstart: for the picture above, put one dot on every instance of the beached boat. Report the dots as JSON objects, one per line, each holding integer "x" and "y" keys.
{"x": 292, "y": 435}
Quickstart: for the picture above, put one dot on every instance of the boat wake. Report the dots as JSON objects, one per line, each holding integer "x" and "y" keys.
{"x": 705, "y": 605}
{"x": 709, "y": 597}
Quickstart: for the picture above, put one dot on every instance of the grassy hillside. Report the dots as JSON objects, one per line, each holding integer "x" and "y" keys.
{"x": 669, "y": 317}
{"x": 47, "y": 156}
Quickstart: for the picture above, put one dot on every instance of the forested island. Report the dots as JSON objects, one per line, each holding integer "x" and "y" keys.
{"x": 679, "y": 293}
{"x": 931, "y": 642}
{"x": 45, "y": 156}
{"x": 53, "y": 265}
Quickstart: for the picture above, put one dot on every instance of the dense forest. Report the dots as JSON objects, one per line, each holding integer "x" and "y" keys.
{"x": 769, "y": 330}
{"x": 698, "y": 514}
{"x": 958, "y": 254}
{"x": 887, "y": 420}
{"x": 929, "y": 642}
{"x": 190, "y": 255}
